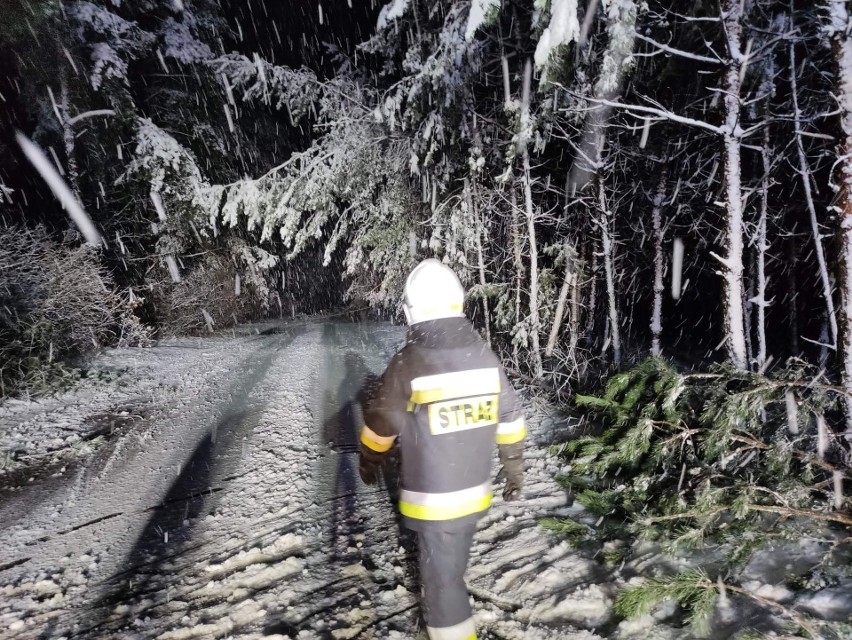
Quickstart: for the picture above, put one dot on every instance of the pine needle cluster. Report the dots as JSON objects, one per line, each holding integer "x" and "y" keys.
{"x": 574, "y": 532}
{"x": 693, "y": 590}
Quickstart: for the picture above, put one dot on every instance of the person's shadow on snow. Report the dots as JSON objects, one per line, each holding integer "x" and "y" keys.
{"x": 353, "y": 414}
{"x": 341, "y": 431}
{"x": 342, "y": 419}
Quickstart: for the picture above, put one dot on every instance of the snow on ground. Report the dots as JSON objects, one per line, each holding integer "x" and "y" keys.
{"x": 230, "y": 506}
{"x": 161, "y": 374}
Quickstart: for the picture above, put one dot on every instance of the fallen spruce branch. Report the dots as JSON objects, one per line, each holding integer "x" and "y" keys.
{"x": 698, "y": 595}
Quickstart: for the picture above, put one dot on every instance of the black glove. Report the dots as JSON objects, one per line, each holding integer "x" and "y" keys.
{"x": 512, "y": 471}
{"x": 370, "y": 466}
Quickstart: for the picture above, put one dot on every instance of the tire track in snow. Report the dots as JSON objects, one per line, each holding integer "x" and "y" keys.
{"x": 214, "y": 459}
{"x": 108, "y": 538}
{"x": 302, "y": 444}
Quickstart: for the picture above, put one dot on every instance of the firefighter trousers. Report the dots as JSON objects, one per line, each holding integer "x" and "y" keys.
{"x": 443, "y": 560}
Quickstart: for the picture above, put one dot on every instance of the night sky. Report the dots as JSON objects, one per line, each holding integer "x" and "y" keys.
{"x": 294, "y": 32}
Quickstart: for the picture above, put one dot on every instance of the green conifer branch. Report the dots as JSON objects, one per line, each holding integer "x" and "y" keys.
{"x": 697, "y": 594}
{"x": 693, "y": 590}
{"x": 574, "y": 532}
{"x": 698, "y": 459}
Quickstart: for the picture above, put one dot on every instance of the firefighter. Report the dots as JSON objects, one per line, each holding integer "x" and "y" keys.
{"x": 446, "y": 399}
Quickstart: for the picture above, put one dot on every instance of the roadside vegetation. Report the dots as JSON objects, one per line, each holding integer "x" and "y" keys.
{"x": 58, "y": 305}
{"x": 720, "y": 465}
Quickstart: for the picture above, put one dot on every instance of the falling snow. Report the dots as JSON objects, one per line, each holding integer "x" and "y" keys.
{"x": 57, "y": 185}
{"x": 209, "y": 211}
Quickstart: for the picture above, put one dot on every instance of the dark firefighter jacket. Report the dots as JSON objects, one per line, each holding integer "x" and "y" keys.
{"x": 446, "y": 397}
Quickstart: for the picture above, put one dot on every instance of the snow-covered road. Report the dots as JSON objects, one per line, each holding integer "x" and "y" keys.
{"x": 232, "y": 505}
{"x": 227, "y": 503}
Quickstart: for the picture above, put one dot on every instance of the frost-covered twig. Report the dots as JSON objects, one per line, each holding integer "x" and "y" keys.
{"x": 609, "y": 270}
{"x": 795, "y": 617}
{"x": 530, "y": 212}
{"x": 668, "y": 115}
{"x": 678, "y": 52}
{"x": 89, "y": 114}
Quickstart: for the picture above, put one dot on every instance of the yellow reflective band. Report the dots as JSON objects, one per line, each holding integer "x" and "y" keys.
{"x": 444, "y": 506}
{"x": 432, "y": 512}
{"x": 511, "y": 438}
{"x": 464, "y": 630}
{"x": 458, "y": 384}
{"x": 374, "y": 441}
{"x": 511, "y": 432}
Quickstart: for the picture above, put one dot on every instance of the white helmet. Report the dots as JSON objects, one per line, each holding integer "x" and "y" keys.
{"x": 432, "y": 291}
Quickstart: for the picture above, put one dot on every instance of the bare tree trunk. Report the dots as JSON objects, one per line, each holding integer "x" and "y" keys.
{"x": 483, "y": 283}
{"x": 480, "y": 229}
{"x": 609, "y": 270}
{"x": 733, "y": 261}
{"x": 657, "y": 313}
{"x": 748, "y": 317}
{"x": 621, "y": 20}
{"x": 517, "y": 253}
{"x": 574, "y": 319}
{"x": 839, "y": 27}
{"x": 530, "y": 211}
{"x": 792, "y": 288}
{"x": 762, "y": 248}
{"x": 568, "y": 280}
{"x": 534, "y": 310}
{"x": 805, "y": 173}
{"x": 593, "y": 294}
{"x": 72, "y": 173}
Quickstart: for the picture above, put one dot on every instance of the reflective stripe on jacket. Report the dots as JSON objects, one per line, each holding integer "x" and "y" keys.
{"x": 446, "y": 397}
